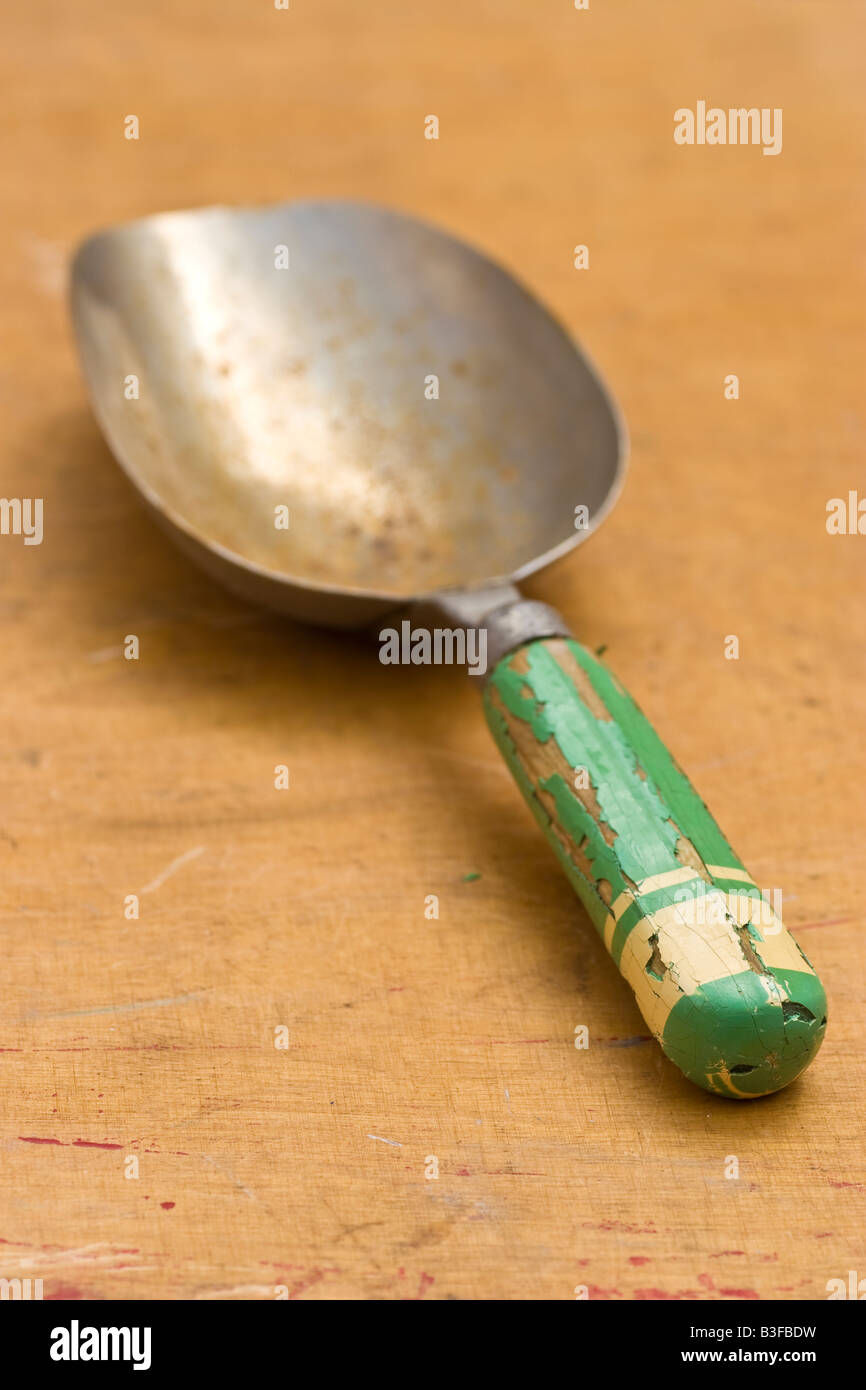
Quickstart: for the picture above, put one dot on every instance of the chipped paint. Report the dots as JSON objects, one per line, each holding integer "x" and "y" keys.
{"x": 733, "y": 1001}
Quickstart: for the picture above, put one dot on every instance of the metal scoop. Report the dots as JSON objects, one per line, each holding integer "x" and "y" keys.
{"x": 343, "y": 413}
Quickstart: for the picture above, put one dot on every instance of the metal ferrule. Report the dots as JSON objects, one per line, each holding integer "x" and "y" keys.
{"x": 514, "y": 624}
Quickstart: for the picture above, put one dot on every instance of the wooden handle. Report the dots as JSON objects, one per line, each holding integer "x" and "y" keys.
{"x": 724, "y": 988}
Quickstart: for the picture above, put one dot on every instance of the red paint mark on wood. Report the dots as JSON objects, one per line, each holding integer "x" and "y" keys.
{"x": 494, "y": 1172}
{"x": 423, "y": 1285}
{"x": 506, "y": 1042}
{"x": 706, "y": 1282}
{"x": 631, "y": 1227}
{"x": 76, "y": 1143}
{"x": 638, "y": 1259}
{"x": 512, "y": 1173}
{"x": 167, "y": 1206}
{"x": 63, "y": 1293}
{"x": 304, "y": 1284}
{"x": 100, "y": 1144}
{"x": 664, "y": 1295}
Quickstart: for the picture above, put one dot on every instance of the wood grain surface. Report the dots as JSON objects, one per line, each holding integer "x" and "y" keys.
{"x": 305, "y": 1168}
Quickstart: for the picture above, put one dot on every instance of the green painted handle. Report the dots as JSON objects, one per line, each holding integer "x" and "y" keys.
{"x": 725, "y": 989}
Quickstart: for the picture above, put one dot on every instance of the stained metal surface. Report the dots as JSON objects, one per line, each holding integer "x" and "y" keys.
{"x": 304, "y": 387}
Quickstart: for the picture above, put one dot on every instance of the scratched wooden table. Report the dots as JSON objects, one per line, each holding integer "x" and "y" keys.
{"x": 155, "y": 1140}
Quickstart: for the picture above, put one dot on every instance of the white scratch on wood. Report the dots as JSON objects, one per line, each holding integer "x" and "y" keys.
{"x": 393, "y": 1142}
{"x": 172, "y": 868}
{"x": 100, "y": 1255}
{"x": 122, "y": 1008}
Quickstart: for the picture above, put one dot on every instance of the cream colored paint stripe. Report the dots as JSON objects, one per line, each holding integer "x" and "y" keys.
{"x": 665, "y": 880}
{"x": 646, "y": 885}
{"x": 721, "y": 871}
{"x": 777, "y": 947}
{"x": 694, "y": 956}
